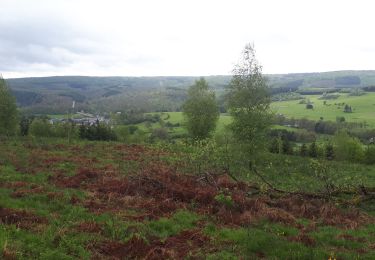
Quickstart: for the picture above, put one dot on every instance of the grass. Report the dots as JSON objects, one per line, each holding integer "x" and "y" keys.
{"x": 363, "y": 111}
{"x": 166, "y": 227}
{"x": 33, "y": 165}
{"x": 178, "y": 118}
{"x": 363, "y": 108}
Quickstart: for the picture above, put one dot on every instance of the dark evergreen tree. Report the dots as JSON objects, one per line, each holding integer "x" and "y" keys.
{"x": 286, "y": 146}
{"x": 348, "y": 109}
{"x": 97, "y": 131}
{"x": 25, "y": 125}
{"x": 329, "y": 151}
{"x": 303, "y": 150}
{"x": 313, "y": 150}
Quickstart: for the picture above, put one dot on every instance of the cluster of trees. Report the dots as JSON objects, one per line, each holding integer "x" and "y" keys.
{"x": 301, "y": 136}
{"x": 97, "y": 131}
{"x": 321, "y": 126}
{"x": 342, "y": 147}
{"x": 247, "y": 100}
{"x": 135, "y": 116}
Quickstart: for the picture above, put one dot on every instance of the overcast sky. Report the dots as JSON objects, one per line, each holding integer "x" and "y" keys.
{"x": 178, "y": 37}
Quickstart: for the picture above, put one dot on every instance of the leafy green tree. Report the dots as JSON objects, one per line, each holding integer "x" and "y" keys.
{"x": 276, "y": 145}
{"x": 248, "y": 102}
{"x": 200, "y": 110}
{"x": 8, "y": 110}
{"x": 348, "y": 148}
{"x": 40, "y": 127}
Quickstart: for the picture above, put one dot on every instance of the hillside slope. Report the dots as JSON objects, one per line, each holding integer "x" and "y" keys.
{"x": 55, "y": 94}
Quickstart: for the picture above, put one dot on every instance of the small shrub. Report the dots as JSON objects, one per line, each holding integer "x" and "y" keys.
{"x": 225, "y": 200}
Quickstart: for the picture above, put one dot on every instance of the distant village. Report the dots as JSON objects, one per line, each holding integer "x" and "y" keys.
{"x": 81, "y": 118}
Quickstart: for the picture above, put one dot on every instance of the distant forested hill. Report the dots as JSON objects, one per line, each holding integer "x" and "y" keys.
{"x": 103, "y": 94}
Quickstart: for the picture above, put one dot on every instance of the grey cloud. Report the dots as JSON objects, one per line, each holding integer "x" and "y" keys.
{"x": 48, "y": 41}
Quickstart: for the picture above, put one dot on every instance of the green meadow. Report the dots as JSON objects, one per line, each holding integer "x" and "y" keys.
{"x": 363, "y": 108}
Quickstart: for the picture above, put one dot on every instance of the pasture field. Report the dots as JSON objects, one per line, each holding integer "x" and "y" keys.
{"x": 363, "y": 108}
{"x": 101, "y": 200}
{"x": 178, "y": 118}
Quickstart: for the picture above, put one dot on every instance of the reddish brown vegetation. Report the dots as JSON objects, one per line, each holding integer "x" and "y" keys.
{"x": 89, "y": 227}
{"x": 20, "y": 218}
{"x": 175, "y": 247}
{"x": 25, "y": 192}
{"x": 8, "y": 254}
{"x": 14, "y": 185}
{"x": 159, "y": 191}
{"x": 304, "y": 239}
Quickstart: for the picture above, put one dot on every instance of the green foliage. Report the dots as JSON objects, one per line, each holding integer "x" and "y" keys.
{"x": 370, "y": 154}
{"x": 122, "y": 133}
{"x": 329, "y": 151}
{"x": 276, "y": 145}
{"x": 313, "y": 150}
{"x": 303, "y": 150}
{"x": 97, "y": 131}
{"x": 159, "y": 134}
{"x": 324, "y": 174}
{"x": 25, "y": 123}
{"x": 200, "y": 110}
{"x": 8, "y": 110}
{"x": 348, "y": 109}
{"x": 205, "y": 155}
{"x": 225, "y": 200}
{"x": 248, "y": 103}
{"x": 287, "y": 147}
{"x": 40, "y": 128}
{"x": 347, "y": 148}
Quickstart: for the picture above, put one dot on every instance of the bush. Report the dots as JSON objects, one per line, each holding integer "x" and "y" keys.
{"x": 159, "y": 134}
{"x": 123, "y": 133}
{"x": 40, "y": 128}
{"x": 370, "y": 154}
{"x": 303, "y": 150}
{"x": 347, "y": 148}
{"x": 64, "y": 130}
{"x": 97, "y": 131}
{"x": 313, "y": 150}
